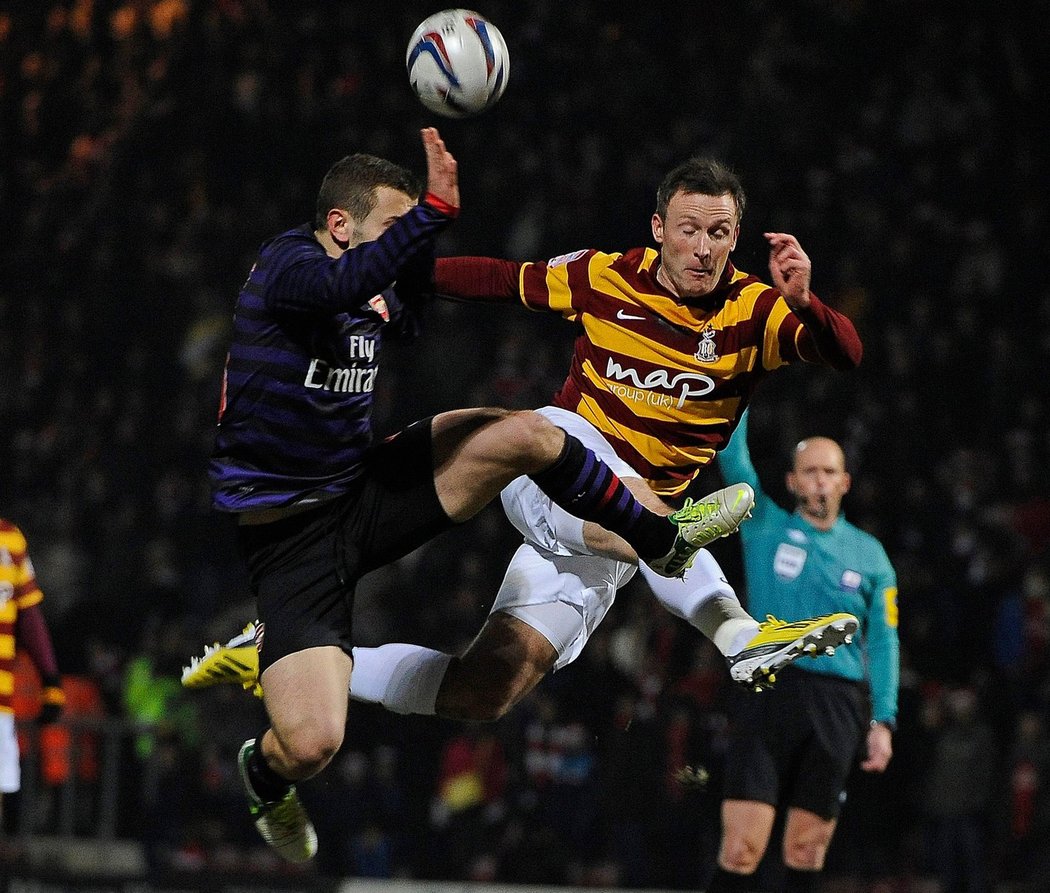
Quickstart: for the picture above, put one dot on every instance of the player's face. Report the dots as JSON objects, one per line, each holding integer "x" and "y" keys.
{"x": 819, "y": 480}
{"x": 390, "y": 204}
{"x": 695, "y": 239}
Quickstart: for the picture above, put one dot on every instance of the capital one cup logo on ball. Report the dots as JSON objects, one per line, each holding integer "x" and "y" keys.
{"x": 457, "y": 63}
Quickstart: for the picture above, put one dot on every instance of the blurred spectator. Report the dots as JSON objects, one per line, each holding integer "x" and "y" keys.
{"x": 1027, "y": 800}
{"x": 959, "y": 791}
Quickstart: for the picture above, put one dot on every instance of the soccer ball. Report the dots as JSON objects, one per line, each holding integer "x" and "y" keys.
{"x": 457, "y": 63}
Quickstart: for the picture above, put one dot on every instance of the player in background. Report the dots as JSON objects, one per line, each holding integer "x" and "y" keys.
{"x": 674, "y": 340}
{"x": 318, "y": 503}
{"x": 22, "y": 625}
{"x": 795, "y": 745}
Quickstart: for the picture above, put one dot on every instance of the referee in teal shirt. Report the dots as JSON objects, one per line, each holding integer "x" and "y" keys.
{"x": 794, "y": 745}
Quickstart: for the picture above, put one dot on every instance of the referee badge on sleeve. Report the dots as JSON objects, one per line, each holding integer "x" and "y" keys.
{"x": 850, "y": 581}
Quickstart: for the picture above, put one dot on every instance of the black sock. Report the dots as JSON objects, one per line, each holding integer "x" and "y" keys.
{"x": 586, "y": 487}
{"x": 798, "y": 881}
{"x": 729, "y": 882}
{"x": 267, "y": 784}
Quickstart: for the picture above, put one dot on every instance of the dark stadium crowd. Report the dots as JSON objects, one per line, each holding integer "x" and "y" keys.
{"x": 149, "y": 146}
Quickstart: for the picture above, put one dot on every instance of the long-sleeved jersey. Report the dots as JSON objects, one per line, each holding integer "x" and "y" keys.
{"x": 795, "y": 570}
{"x": 19, "y": 597}
{"x": 296, "y": 412}
{"x": 664, "y": 380}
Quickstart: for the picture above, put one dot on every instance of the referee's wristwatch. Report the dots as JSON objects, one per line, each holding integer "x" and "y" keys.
{"x": 890, "y": 724}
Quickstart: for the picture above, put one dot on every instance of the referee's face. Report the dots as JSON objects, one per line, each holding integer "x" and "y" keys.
{"x": 819, "y": 480}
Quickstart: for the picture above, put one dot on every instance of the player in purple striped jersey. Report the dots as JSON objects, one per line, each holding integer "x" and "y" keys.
{"x": 319, "y": 503}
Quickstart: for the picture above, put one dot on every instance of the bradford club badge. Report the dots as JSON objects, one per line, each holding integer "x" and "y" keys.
{"x": 706, "y": 352}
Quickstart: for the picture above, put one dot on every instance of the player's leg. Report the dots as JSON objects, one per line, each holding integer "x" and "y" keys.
{"x": 506, "y": 660}
{"x": 305, "y": 733}
{"x": 754, "y": 651}
{"x": 702, "y": 597}
{"x": 478, "y": 452}
{"x": 302, "y": 578}
{"x": 504, "y": 663}
{"x": 541, "y": 619}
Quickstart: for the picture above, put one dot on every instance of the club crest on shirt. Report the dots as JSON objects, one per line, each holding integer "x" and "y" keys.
{"x": 706, "y": 351}
{"x": 378, "y": 304}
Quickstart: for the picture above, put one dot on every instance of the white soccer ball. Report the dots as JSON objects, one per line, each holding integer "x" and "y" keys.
{"x": 457, "y": 63}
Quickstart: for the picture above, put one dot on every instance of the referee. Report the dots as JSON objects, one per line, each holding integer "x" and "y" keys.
{"x": 794, "y": 745}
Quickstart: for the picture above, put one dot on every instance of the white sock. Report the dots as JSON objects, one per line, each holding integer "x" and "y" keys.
{"x": 706, "y": 600}
{"x": 734, "y": 626}
{"x": 402, "y": 678}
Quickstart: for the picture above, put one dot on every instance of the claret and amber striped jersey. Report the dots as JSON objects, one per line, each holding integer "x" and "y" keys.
{"x": 666, "y": 381}
{"x": 18, "y": 590}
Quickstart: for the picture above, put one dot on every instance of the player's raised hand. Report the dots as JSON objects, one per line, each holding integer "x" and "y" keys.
{"x": 442, "y": 168}
{"x": 790, "y": 268}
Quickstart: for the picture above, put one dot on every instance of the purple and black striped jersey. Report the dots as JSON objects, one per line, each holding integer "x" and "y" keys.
{"x": 295, "y": 418}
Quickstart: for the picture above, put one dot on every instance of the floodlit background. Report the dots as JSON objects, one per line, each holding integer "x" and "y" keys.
{"x": 149, "y": 146}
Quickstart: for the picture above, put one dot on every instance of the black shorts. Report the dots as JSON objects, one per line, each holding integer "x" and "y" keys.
{"x": 303, "y": 569}
{"x": 795, "y": 744}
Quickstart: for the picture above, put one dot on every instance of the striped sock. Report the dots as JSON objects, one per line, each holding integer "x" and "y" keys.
{"x": 586, "y": 487}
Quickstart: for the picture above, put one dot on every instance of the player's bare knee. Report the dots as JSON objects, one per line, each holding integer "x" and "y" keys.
{"x": 532, "y": 439}
{"x": 309, "y": 748}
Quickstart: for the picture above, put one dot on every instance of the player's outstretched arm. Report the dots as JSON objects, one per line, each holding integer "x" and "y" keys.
{"x": 477, "y": 278}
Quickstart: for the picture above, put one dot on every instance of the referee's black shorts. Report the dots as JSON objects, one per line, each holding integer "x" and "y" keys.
{"x": 795, "y": 744}
{"x": 303, "y": 569}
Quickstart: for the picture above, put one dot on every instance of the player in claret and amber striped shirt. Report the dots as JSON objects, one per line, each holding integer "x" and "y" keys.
{"x": 673, "y": 342}
{"x": 22, "y": 623}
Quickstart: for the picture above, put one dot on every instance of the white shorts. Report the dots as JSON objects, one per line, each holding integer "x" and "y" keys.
{"x": 554, "y": 583}
{"x": 563, "y": 597}
{"x": 10, "y": 771}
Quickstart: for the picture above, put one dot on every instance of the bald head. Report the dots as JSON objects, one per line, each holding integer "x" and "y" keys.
{"x": 818, "y": 480}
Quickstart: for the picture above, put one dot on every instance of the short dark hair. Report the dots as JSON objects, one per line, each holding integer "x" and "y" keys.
{"x": 351, "y": 184}
{"x": 700, "y": 176}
